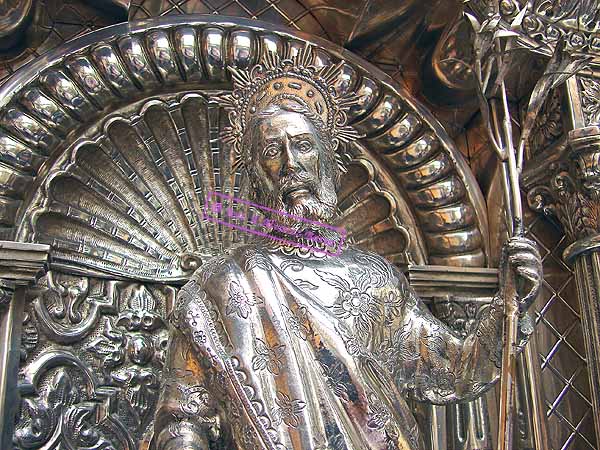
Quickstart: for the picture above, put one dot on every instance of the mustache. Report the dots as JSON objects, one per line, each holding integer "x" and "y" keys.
{"x": 297, "y": 177}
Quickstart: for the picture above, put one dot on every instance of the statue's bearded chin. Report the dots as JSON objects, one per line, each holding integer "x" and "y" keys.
{"x": 319, "y": 206}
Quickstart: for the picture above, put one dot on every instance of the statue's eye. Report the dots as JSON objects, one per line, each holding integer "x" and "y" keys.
{"x": 271, "y": 151}
{"x": 305, "y": 146}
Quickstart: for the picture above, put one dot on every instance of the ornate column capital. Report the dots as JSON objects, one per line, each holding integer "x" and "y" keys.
{"x": 563, "y": 182}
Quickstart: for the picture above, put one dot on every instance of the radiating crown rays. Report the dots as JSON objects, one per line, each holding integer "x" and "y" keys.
{"x": 299, "y": 77}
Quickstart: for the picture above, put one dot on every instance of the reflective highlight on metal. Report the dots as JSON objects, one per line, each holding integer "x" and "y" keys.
{"x": 108, "y": 145}
{"x": 259, "y": 334}
{"x": 409, "y": 137}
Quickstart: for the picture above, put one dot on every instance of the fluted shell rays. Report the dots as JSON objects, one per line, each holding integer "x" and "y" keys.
{"x": 129, "y": 199}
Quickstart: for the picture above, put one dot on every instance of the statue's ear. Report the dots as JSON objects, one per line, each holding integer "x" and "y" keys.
{"x": 335, "y": 145}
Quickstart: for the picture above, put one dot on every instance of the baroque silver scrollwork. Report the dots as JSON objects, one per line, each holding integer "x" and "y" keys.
{"x": 81, "y": 87}
{"x": 590, "y": 100}
{"x": 544, "y": 22}
{"x": 92, "y": 386}
{"x": 69, "y": 308}
{"x": 571, "y": 195}
{"x": 124, "y": 98}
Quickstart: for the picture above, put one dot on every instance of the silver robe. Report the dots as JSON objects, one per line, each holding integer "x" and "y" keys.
{"x": 276, "y": 350}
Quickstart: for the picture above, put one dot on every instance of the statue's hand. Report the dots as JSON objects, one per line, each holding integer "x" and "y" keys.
{"x": 521, "y": 264}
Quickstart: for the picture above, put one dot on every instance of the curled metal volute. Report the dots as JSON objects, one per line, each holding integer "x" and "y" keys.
{"x": 448, "y": 77}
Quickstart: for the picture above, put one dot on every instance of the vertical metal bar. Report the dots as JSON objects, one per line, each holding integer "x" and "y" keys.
{"x": 10, "y": 341}
{"x": 533, "y": 431}
{"x": 438, "y": 429}
{"x": 535, "y": 389}
{"x": 587, "y": 277}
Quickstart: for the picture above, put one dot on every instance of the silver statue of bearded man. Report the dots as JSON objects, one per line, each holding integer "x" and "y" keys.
{"x": 278, "y": 348}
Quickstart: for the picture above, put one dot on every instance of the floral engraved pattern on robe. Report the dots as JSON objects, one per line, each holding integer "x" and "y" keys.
{"x": 270, "y": 358}
{"x": 355, "y": 300}
{"x": 323, "y": 353}
{"x": 239, "y": 302}
{"x": 288, "y": 410}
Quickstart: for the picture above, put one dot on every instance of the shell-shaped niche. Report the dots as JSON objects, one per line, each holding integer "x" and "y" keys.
{"x": 128, "y": 199}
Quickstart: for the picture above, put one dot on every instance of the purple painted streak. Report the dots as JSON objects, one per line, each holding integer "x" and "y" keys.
{"x": 217, "y": 207}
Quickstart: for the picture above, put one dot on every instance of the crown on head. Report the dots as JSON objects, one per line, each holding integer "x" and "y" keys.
{"x": 295, "y": 78}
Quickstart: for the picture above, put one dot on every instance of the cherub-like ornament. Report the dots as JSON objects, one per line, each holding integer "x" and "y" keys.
{"x": 304, "y": 350}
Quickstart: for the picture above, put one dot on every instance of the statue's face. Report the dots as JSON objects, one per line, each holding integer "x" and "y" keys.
{"x": 289, "y": 154}
{"x": 292, "y": 169}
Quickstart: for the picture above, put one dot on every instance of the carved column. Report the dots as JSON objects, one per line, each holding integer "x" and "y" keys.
{"x": 583, "y": 196}
{"x": 565, "y": 182}
{"x": 20, "y": 265}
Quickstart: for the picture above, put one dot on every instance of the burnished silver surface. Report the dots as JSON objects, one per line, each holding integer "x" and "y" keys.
{"x": 274, "y": 347}
{"x": 569, "y": 191}
{"x": 85, "y": 85}
{"x": 22, "y": 263}
{"x": 96, "y": 139}
{"x": 10, "y": 332}
{"x": 14, "y": 17}
{"x": 111, "y": 86}
{"x": 117, "y": 8}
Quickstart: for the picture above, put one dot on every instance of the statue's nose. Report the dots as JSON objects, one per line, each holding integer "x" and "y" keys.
{"x": 290, "y": 158}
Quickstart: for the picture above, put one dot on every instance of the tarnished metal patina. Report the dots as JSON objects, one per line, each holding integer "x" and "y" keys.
{"x": 119, "y": 118}
{"x": 273, "y": 347}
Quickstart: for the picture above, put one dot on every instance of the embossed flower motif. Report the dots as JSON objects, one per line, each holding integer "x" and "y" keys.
{"x": 354, "y": 345}
{"x": 296, "y": 321}
{"x": 199, "y": 336}
{"x": 548, "y": 126}
{"x": 440, "y": 381}
{"x": 141, "y": 314}
{"x": 354, "y": 300}
{"x": 397, "y": 352}
{"x": 394, "y": 303}
{"x": 195, "y": 400}
{"x": 443, "y": 382}
{"x": 288, "y": 410}
{"x": 239, "y": 303}
{"x": 591, "y": 99}
{"x": 334, "y": 377}
{"x": 270, "y": 358}
{"x": 405, "y": 350}
{"x": 488, "y": 336}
